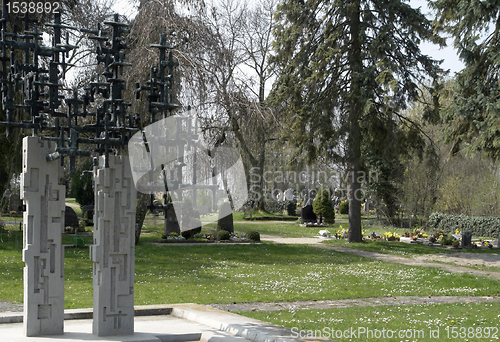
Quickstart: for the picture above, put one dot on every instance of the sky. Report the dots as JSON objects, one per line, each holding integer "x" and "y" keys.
{"x": 448, "y": 54}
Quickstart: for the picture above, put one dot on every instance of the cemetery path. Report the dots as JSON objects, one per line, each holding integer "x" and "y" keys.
{"x": 346, "y": 303}
{"x": 422, "y": 261}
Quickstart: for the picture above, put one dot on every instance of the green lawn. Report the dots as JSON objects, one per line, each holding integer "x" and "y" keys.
{"x": 70, "y": 202}
{"x": 423, "y": 323}
{"x": 246, "y": 273}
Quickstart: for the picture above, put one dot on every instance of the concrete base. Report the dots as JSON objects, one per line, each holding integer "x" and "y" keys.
{"x": 80, "y": 330}
{"x": 185, "y": 322}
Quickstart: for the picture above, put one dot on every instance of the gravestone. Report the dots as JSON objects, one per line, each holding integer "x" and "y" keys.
{"x": 466, "y": 239}
{"x": 15, "y": 203}
{"x": 225, "y": 221}
{"x": 171, "y": 221}
{"x": 70, "y": 218}
{"x": 89, "y": 209}
{"x": 191, "y": 223}
{"x": 288, "y": 195}
{"x": 307, "y": 214}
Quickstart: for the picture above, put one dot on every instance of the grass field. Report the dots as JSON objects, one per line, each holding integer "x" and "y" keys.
{"x": 208, "y": 274}
{"x": 246, "y": 273}
{"x": 423, "y": 323}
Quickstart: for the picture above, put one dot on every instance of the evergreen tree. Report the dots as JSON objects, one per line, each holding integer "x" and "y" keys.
{"x": 81, "y": 185}
{"x": 473, "y": 112}
{"x": 348, "y": 69}
{"x": 322, "y": 206}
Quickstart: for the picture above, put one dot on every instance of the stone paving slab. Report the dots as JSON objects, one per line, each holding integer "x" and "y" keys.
{"x": 184, "y": 322}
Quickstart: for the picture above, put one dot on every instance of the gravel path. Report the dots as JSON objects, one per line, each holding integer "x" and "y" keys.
{"x": 346, "y": 303}
{"x": 10, "y": 307}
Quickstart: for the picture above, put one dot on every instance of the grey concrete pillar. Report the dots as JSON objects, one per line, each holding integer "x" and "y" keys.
{"x": 113, "y": 248}
{"x": 43, "y": 253}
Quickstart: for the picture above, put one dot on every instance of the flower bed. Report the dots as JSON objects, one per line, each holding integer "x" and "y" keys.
{"x": 209, "y": 238}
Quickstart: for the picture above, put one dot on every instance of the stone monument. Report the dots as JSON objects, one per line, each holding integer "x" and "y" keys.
{"x": 113, "y": 250}
{"x": 43, "y": 253}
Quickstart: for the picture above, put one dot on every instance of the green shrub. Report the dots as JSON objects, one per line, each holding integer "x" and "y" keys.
{"x": 275, "y": 207}
{"x": 253, "y": 236}
{"x": 291, "y": 208}
{"x": 82, "y": 226}
{"x": 447, "y": 240}
{"x": 322, "y": 206}
{"x": 344, "y": 207}
{"x": 81, "y": 186}
{"x": 478, "y": 226}
{"x": 222, "y": 235}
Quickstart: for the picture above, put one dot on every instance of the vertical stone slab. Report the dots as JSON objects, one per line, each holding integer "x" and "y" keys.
{"x": 43, "y": 253}
{"x": 113, "y": 248}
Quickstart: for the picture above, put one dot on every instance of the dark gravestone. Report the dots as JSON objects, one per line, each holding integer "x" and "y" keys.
{"x": 225, "y": 220}
{"x": 89, "y": 209}
{"x": 70, "y": 218}
{"x": 307, "y": 214}
{"x": 191, "y": 222}
{"x": 171, "y": 222}
{"x": 15, "y": 202}
{"x": 466, "y": 239}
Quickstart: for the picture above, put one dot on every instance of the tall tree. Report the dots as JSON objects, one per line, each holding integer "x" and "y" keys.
{"x": 473, "y": 112}
{"x": 349, "y": 68}
{"x": 228, "y": 78}
{"x": 154, "y": 18}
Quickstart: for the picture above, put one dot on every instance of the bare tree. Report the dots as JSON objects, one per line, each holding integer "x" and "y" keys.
{"x": 229, "y": 77}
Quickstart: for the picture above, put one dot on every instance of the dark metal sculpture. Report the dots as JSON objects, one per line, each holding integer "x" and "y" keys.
{"x": 31, "y": 88}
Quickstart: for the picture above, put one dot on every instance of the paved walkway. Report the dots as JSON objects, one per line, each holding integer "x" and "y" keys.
{"x": 347, "y": 303}
{"x": 423, "y": 262}
{"x": 159, "y": 323}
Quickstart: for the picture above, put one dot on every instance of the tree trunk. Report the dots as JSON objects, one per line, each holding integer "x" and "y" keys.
{"x": 140, "y": 214}
{"x": 355, "y": 112}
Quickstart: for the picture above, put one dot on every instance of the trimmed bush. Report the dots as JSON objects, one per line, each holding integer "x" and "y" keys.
{"x": 344, "y": 207}
{"x": 322, "y": 207}
{"x": 253, "y": 236}
{"x": 478, "y": 226}
{"x": 275, "y": 207}
{"x": 222, "y": 235}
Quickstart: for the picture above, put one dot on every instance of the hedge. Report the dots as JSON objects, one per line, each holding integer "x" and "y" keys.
{"x": 477, "y": 225}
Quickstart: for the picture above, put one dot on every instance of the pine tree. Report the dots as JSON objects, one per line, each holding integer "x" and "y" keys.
{"x": 473, "y": 111}
{"x": 348, "y": 69}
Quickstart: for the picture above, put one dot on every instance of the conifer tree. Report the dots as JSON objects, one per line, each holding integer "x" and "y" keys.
{"x": 473, "y": 111}
{"x": 323, "y": 207}
{"x": 348, "y": 69}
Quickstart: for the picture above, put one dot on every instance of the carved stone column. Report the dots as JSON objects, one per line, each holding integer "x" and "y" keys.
{"x": 113, "y": 249}
{"x": 42, "y": 248}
